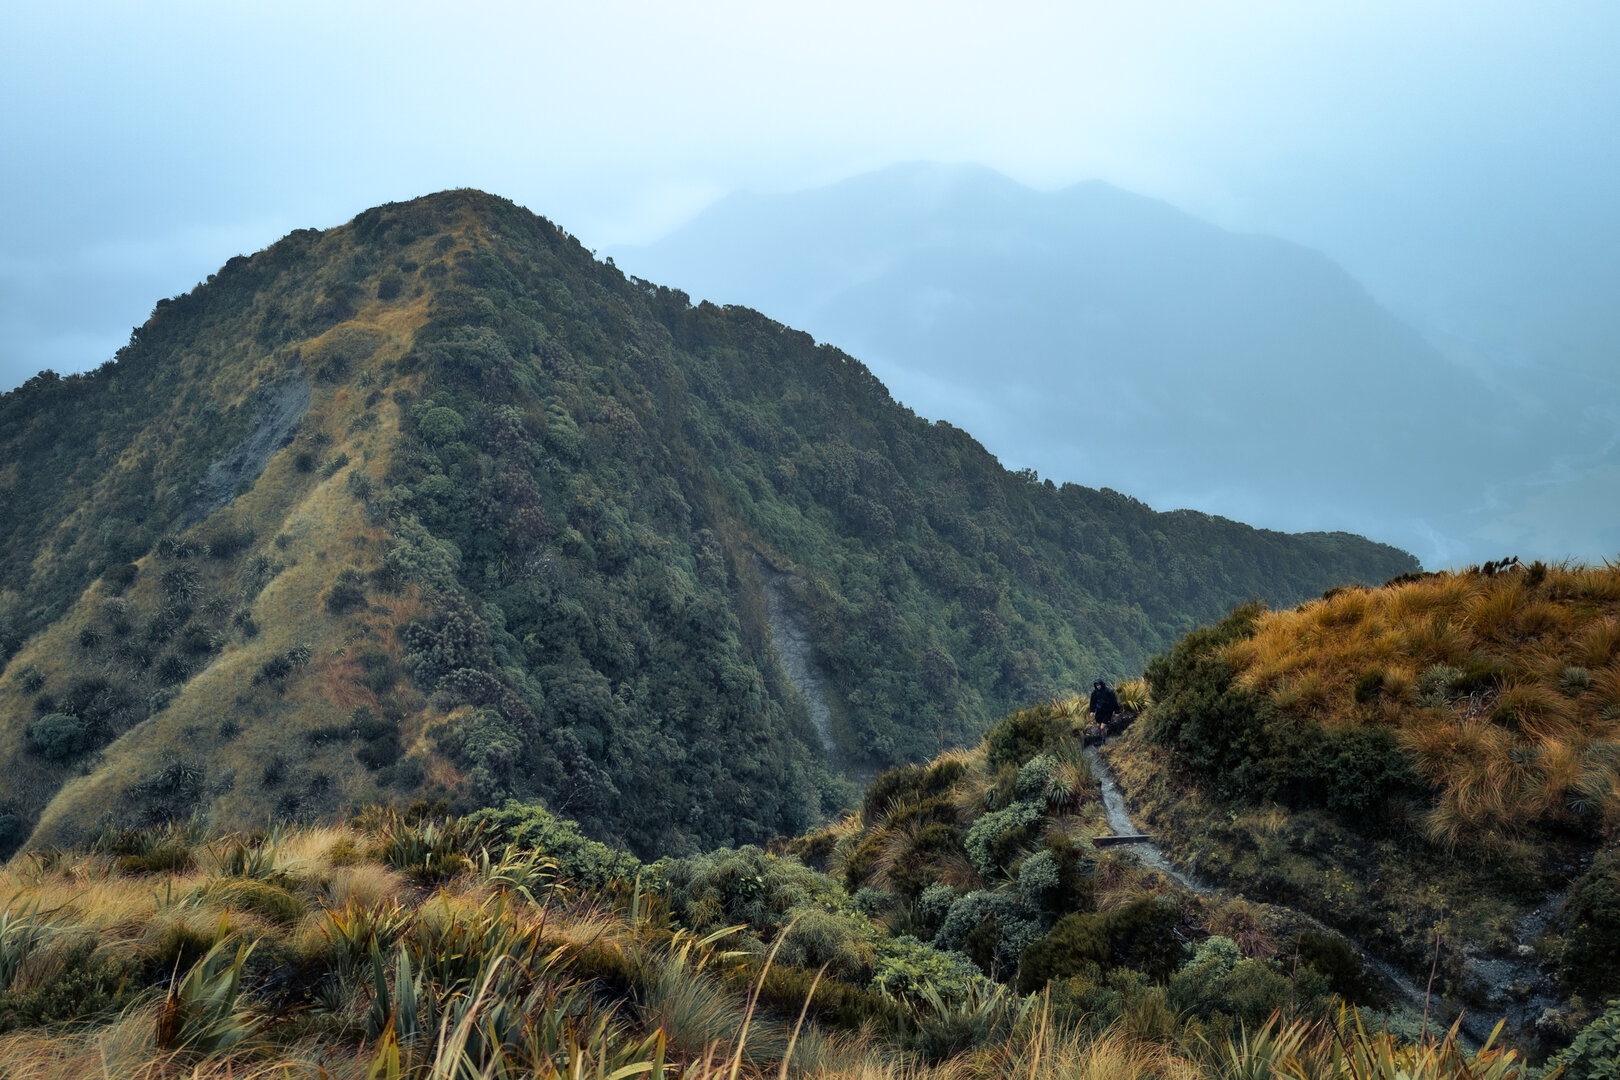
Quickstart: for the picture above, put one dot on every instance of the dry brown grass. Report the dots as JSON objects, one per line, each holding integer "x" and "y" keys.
{"x": 1519, "y": 748}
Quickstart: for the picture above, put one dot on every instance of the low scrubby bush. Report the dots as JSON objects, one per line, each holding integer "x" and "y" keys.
{"x": 1140, "y": 935}
{"x": 1019, "y": 737}
{"x": 60, "y": 736}
{"x": 581, "y": 861}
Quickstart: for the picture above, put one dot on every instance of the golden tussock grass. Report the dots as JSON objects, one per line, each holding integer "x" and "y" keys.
{"x": 1533, "y": 653}
{"x": 1598, "y": 644}
{"x": 1606, "y": 685}
{"x": 367, "y": 884}
{"x": 1060, "y": 1054}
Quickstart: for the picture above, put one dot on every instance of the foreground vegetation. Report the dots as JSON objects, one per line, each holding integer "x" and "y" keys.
{"x": 390, "y": 947}
{"x": 967, "y": 926}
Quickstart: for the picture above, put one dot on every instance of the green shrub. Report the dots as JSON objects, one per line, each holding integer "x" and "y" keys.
{"x": 742, "y": 885}
{"x": 1019, "y": 737}
{"x": 428, "y": 850}
{"x": 1219, "y": 978}
{"x": 1434, "y": 684}
{"x": 841, "y": 943}
{"x": 991, "y": 841}
{"x": 59, "y": 736}
{"x": 581, "y": 861}
{"x": 163, "y": 859}
{"x": 348, "y": 592}
{"x": 916, "y": 867}
{"x": 1141, "y": 935}
{"x": 440, "y": 425}
{"x": 262, "y": 898}
{"x": 1591, "y": 919}
{"x": 1337, "y": 961}
{"x": 994, "y": 928}
{"x": 787, "y": 989}
{"x": 1076, "y": 945}
{"x": 1574, "y": 681}
{"x": 1595, "y": 1053}
{"x": 906, "y": 968}
{"x": 1250, "y": 752}
{"x": 179, "y": 948}
{"x": 87, "y": 984}
{"x": 1369, "y": 688}
{"x": 908, "y": 784}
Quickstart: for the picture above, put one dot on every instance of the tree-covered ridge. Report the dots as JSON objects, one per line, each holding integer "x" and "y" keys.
{"x": 518, "y": 545}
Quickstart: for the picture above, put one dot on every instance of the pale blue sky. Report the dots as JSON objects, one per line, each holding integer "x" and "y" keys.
{"x": 145, "y": 144}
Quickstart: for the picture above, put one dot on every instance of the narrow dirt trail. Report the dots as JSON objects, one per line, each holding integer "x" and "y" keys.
{"x": 1476, "y": 1027}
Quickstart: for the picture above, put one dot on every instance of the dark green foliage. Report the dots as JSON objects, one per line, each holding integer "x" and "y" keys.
{"x": 916, "y": 866}
{"x": 262, "y": 898}
{"x": 1595, "y": 1053}
{"x": 786, "y": 989}
{"x": 378, "y": 735}
{"x": 1140, "y": 935}
{"x": 1481, "y": 673}
{"x": 226, "y": 539}
{"x": 160, "y": 859}
{"x": 1591, "y": 927}
{"x": 1333, "y": 957}
{"x": 90, "y": 984}
{"x": 1370, "y": 687}
{"x": 1250, "y": 752}
{"x": 274, "y": 773}
{"x": 178, "y": 949}
{"x": 173, "y": 791}
{"x": 745, "y": 885}
{"x": 1219, "y": 979}
{"x": 348, "y": 592}
{"x": 280, "y": 667}
{"x": 59, "y": 736}
{"x": 580, "y": 860}
{"x": 1020, "y": 736}
{"x": 428, "y": 850}
{"x": 906, "y": 785}
{"x": 377, "y": 671}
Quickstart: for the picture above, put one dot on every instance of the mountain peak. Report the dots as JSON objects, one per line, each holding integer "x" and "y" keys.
{"x": 436, "y": 505}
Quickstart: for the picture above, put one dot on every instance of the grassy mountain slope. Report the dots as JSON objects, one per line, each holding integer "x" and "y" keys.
{"x": 435, "y": 502}
{"x": 1431, "y": 767}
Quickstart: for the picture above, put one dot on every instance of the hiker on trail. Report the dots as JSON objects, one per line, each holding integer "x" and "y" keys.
{"x": 1104, "y": 704}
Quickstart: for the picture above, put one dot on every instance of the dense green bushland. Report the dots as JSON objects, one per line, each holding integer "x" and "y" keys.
{"x": 576, "y": 489}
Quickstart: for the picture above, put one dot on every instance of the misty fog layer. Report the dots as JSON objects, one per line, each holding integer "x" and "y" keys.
{"x": 1113, "y": 340}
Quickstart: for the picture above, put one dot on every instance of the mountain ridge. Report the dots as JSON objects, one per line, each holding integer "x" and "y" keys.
{"x": 510, "y": 551}
{"x": 1158, "y": 353}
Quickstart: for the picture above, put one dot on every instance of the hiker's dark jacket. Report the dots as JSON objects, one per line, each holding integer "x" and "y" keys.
{"x": 1104, "y": 703}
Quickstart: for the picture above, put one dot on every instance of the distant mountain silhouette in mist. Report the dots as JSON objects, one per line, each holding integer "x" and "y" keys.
{"x": 1111, "y": 339}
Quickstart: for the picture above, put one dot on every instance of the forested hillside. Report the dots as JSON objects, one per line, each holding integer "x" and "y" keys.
{"x": 437, "y": 503}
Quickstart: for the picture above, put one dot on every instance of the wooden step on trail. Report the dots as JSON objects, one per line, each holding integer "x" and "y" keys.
{"x": 1134, "y": 838}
